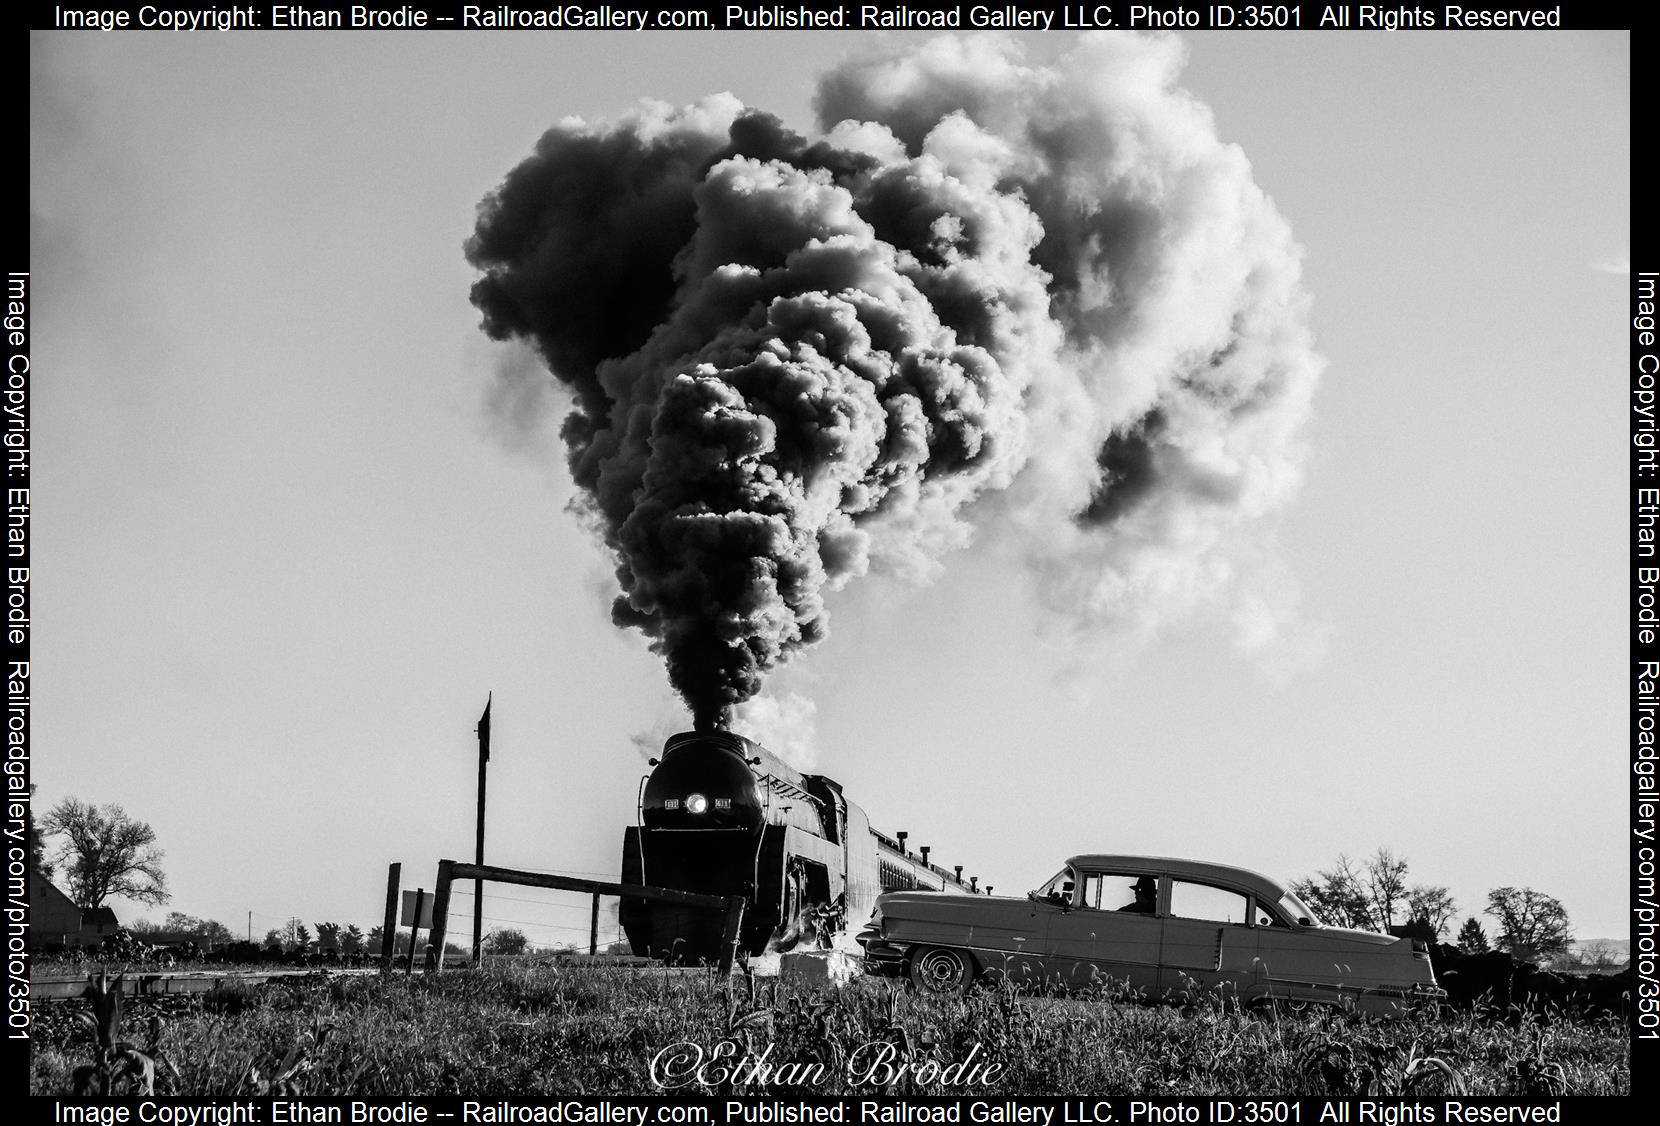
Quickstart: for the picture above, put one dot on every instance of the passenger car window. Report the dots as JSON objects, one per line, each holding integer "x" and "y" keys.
{"x": 1265, "y": 917}
{"x": 1112, "y": 891}
{"x": 1201, "y": 901}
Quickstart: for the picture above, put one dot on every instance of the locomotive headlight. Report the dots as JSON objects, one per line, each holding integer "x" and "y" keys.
{"x": 696, "y": 803}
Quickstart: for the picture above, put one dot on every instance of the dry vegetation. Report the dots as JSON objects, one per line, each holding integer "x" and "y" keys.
{"x": 528, "y": 1028}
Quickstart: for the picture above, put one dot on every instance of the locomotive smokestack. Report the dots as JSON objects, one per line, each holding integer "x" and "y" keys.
{"x": 792, "y": 360}
{"x": 715, "y": 719}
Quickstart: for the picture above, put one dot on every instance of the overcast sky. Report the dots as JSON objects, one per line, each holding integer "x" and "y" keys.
{"x": 282, "y": 553}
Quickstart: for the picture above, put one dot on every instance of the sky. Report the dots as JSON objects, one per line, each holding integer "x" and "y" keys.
{"x": 284, "y": 548}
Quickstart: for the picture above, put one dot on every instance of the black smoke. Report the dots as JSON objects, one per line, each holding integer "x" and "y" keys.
{"x": 792, "y": 356}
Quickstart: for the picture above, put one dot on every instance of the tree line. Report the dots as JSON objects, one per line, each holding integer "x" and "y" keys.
{"x": 1374, "y": 895}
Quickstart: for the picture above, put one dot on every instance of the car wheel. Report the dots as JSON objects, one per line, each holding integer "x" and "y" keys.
{"x": 941, "y": 970}
{"x": 1288, "y": 1009}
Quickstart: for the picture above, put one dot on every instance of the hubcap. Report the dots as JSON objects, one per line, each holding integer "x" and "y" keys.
{"x": 942, "y": 970}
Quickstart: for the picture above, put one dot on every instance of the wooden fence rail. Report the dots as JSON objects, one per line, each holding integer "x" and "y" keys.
{"x": 450, "y": 870}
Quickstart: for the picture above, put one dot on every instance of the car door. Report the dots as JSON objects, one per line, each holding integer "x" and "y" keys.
{"x": 1208, "y": 941}
{"x": 1007, "y": 933}
{"x": 1102, "y": 940}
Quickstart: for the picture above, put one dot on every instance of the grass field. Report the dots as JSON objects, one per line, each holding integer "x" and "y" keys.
{"x": 528, "y": 1028}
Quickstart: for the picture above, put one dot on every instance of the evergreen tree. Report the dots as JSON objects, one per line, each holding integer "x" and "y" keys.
{"x": 1471, "y": 938}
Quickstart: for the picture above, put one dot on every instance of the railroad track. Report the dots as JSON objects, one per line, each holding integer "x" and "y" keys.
{"x": 159, "y": 983}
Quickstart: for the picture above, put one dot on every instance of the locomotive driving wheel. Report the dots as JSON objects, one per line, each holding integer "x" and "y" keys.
{"x": 942, "y": 971}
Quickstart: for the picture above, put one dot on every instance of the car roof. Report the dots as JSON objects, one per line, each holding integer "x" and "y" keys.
{"x": 1257, "y": 884}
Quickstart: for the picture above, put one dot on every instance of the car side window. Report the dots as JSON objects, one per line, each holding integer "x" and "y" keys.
{"x": 1263, "y": 917}
{"x": 1112, "y": 891}
{"x": 1213, "y": 904}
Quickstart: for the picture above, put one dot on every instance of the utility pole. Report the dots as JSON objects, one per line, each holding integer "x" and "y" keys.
{"x": 478, "y": 885}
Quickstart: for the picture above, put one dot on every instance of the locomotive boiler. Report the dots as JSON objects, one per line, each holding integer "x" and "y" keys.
{"x": 721, "y": 815}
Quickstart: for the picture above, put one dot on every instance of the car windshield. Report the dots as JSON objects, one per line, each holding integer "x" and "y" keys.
{"x": 1298, "y": 910}
{"x": 1059, "y": 888}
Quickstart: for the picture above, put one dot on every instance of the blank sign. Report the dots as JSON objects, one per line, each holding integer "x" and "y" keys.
{"x": 407, "y": 919}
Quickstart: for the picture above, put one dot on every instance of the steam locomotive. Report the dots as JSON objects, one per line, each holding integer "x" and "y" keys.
{"x": 721, "y": 815}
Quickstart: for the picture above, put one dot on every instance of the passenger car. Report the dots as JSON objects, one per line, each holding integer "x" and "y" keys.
{"x": 1193, "y": 926}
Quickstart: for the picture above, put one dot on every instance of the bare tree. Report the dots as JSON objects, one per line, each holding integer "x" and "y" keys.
{"x": 1372, "y": 896}
{"x": 1532, "y": 926}
{"x": 37, "y": 842}
{"x": 1599, "y": 956}
{"x": 1336, "y": 895}
{"x": 106, "y": 853}
{"x": 1433, "y": 905}
{"x": 1385, "y": 886}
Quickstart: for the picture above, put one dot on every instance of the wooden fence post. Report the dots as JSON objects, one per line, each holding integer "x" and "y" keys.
{"x": 441, "y": 910}
{"x": 389, "y": 928}
{"x": 415, "y": 929}
{"x": 732, "y": 932}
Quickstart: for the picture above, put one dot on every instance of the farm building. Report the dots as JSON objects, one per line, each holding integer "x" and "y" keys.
{"x": 56, "y": 921}
{"x": 98, "y": 923}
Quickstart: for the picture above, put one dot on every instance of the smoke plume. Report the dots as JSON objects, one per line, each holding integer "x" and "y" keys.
{"x": 792, "y": 357}
{"x": 783, "y": 723}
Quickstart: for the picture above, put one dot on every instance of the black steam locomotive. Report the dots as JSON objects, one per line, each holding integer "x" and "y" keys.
{"x": 721, "y": 815}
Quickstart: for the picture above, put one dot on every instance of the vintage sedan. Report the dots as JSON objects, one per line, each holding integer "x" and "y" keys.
{"x": 1161, "y": 927}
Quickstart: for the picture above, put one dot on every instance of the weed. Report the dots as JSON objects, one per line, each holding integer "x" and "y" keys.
{"x": 522, "y": 1029}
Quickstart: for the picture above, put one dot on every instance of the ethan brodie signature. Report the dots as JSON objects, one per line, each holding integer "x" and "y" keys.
{"x": 876, "y": 1064}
